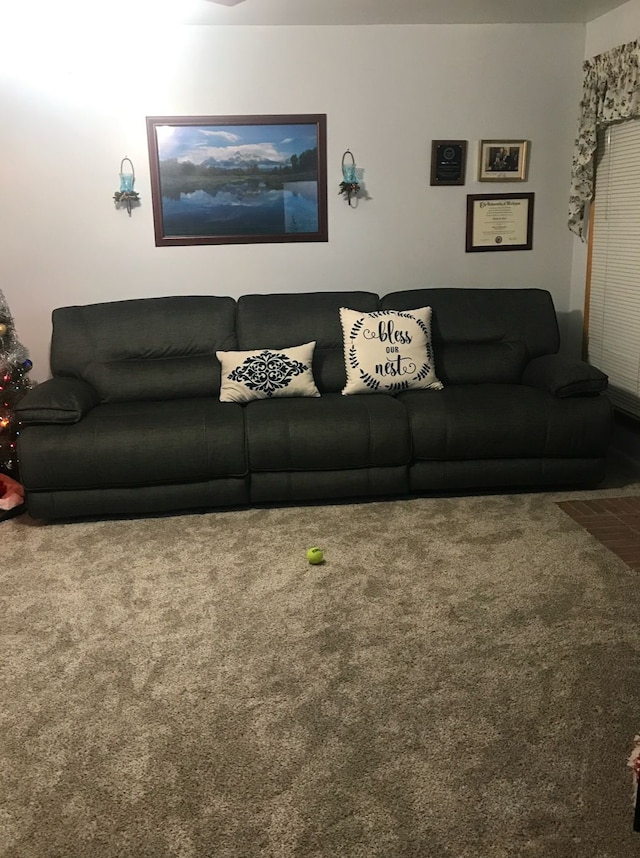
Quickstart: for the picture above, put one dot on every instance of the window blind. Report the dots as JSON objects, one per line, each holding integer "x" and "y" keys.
{"x": 613, "y": 342}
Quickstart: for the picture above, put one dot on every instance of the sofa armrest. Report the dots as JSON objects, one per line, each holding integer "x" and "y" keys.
{"x": 57, "y": 400}
{"x": 564, "y": 376}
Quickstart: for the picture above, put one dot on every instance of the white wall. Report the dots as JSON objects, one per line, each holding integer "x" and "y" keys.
{"x": 73, "y": 108}
{"x": 617, "y": 27}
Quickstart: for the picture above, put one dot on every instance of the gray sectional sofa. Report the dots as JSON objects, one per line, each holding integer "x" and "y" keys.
{"x": 131, "y": 421}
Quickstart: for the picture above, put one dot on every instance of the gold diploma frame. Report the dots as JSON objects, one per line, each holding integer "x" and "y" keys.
{"x": 499, "y": 222}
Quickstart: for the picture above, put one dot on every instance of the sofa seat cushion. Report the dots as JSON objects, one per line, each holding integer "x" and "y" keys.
{"x": 137, "y": 444}
{"x": 501, "y": 421}
{"x": 328, "y": 433}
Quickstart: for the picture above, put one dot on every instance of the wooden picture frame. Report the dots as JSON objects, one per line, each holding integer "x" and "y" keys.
{"x": 498, "y": 222}
{"x": 503, "y": 161}
{"x": 238, "y": 179}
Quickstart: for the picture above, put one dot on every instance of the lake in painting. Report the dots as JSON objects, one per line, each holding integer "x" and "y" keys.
{"x": 240, "y": 209}
{"x": 244, "y": 180}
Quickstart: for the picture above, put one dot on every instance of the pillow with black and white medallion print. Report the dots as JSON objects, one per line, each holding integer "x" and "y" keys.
{"x": 388, "y": 351}
{"x": 267, "y": 373}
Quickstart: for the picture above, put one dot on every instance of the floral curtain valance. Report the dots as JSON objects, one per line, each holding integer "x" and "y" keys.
{"x": 610, "y": 93}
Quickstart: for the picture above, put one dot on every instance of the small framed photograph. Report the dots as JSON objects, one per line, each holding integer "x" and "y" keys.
{"x": 448, "y": 162}
{"x": 503, "y": 161}
{"x": 499, "y": 222}
{"x": 238, "y": 179}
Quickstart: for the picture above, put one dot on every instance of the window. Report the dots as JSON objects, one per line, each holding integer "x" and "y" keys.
{"x": 613, "y": 313}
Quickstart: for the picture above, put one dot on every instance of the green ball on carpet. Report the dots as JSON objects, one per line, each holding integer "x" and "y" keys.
{"x": 315, "y": 556}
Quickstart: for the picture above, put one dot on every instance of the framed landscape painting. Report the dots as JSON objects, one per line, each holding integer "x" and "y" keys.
{"x": 238, "y": 179}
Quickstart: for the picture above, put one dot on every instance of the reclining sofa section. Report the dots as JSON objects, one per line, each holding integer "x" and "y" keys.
{"x": 131, "y": 421}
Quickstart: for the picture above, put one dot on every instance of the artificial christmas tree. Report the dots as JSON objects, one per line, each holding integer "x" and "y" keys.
{"x": 14, "y": 383}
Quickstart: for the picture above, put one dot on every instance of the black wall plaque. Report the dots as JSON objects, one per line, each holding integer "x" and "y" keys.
{"x": 448, "y": 162}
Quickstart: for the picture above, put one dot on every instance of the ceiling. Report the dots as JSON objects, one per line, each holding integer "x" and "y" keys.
{"x": 341, "y": 12}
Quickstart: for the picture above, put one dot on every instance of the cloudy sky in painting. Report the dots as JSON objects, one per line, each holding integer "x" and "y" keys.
{"x": 198, "y": 143}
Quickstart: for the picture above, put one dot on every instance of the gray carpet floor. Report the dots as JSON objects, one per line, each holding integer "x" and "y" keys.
{"x": 460, "y": 678}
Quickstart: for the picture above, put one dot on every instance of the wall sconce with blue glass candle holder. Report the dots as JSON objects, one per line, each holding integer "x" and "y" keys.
{"x": 349, "y": 186}
{"x": 126, "y": 196}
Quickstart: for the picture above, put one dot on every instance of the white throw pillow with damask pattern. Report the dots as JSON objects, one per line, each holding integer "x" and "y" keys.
{"x": 388, "y": 351}
{"x": 267, "y": 373}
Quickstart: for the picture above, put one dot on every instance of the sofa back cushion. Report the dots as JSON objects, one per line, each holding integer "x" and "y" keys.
{"x": 484, "y": 335}
{"x": 282, "y": 320}
{"x": 146, "y": 348}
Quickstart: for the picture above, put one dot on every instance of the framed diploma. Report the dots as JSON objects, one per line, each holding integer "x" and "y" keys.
{"x": 499, "y": 222}
{"x": 448, "y": 162}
